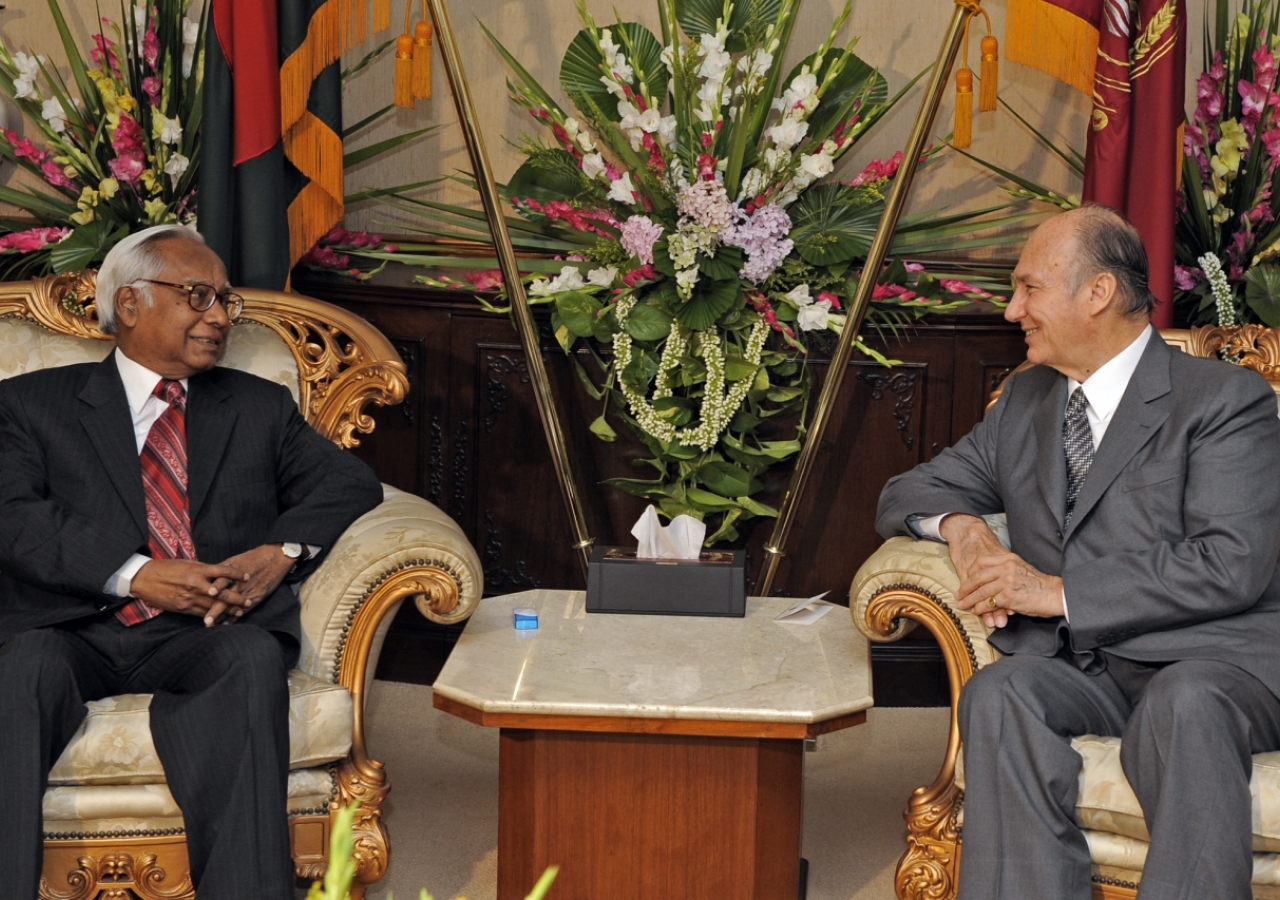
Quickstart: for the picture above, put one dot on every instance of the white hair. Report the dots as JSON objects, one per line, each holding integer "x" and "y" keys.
{"x": 132, "y": 260}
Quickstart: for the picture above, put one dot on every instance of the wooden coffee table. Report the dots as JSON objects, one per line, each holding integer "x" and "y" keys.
{"x": 653, "y": 757}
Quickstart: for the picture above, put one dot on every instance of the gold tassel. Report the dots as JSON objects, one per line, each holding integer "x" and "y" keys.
{"x": 381, "y": 15}
{"x": 404, "y": 71}
{"x": 404, "y": 62}
{"x": 422, "y": 59}
{"x": 990, "y": 73}
{"x": 963, "y": 136}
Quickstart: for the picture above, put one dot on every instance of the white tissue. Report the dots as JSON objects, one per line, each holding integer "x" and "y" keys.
{"x": 682, "y": 539}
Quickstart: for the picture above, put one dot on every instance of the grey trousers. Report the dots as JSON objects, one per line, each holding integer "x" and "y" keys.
{"x": 1188, "y": 732}
{"x": 219, "y": 720}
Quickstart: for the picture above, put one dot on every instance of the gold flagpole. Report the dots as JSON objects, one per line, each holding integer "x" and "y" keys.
{"x": 511, "y": 276}
{"x": 894, "y": 204}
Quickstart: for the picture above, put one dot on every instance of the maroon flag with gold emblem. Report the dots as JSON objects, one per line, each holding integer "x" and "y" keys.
{"x": 1131, "y": 56}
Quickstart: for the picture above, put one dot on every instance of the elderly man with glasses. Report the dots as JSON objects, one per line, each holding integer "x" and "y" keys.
{"x": 155, "y": 511}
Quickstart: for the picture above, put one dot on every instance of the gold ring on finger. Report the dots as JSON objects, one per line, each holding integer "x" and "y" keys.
{"x": 991, "y": 602}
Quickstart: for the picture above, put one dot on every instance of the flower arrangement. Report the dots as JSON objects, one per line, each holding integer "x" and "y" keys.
{"x": 702, "y": 243}
{"x": 121, "y": 153}
{"x": 1228, "y": 234}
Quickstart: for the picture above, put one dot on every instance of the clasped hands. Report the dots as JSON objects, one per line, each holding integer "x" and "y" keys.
{"x": 216, "y": 591}
{"x": 995, "y": 583}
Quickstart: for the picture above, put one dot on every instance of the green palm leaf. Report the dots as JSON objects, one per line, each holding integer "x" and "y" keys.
{"x": 698, "y": 17}
{"x": 833, "y": 224}
{"x": 581, "y": 70}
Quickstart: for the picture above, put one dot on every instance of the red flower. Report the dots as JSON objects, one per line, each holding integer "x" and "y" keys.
{"x": 24, "y": 148}
{"x": 105, "y": 50}
{"x": 485, "y": 281}
{"x": 131, "y": 155}
{"x": 644, "y": 273}
{"x": 54, "y": 174}
{"x": 34, "y": 239}
{"x": 151, "y": 44}
{"x": 151, "y": 84}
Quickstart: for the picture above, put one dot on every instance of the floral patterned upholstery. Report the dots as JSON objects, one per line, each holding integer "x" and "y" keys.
{"x": 113, "y": 744}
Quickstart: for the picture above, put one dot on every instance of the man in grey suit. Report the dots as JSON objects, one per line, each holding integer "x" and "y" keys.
{"x": 1140, "y": 595}
{"x": 153, "y": 511}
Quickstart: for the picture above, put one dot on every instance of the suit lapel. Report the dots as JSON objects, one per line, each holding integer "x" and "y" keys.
{"x": 210, "y": 420}
{"x": 1051, "y": 461}
{"x": 105, "y": 416}
{"x": 1145, "y": 405}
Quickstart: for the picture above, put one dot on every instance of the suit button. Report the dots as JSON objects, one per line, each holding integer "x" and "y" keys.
{"x": 1059, "y": 533}
{"x": 102, "y": 606}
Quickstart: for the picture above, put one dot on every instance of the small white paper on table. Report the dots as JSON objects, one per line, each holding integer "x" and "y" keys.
{"x": 805, "y": 612}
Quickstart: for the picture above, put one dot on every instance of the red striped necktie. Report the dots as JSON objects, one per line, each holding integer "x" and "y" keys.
{"x": 164, "y": 483}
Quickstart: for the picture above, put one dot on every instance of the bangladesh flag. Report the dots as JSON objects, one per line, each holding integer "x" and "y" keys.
{"x": 1131, "y": 57}
{"x": 271, "y": 145}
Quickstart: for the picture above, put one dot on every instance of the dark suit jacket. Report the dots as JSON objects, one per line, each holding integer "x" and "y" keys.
{"x": 71, "y": 501}
{"x": 1172, "y": 548}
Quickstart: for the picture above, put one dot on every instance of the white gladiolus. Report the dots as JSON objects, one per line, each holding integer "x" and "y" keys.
{"x": 176, "y": 166}
{"x": 53, "y": 113}
{"x": 817, "y": 165}
{"x": 593, "y": 165}
{"x": 585, "y": 142}
{"x": 622, "y": 189}
{"x": 650, "y": 120}
{"x": 190, "y": 32}
{"x": 28, "y": 66}
{"x": 814, "y": 316}
{"x": 569, "y": 279}
{"x": 169, "y": 131}
{"x": 798, "y": 296}
{"x": 667, "y": 129}
{"x": 789, "y": 132}
{"x": 602, "y": 277}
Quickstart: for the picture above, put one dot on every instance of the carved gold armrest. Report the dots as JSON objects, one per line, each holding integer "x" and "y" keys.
{"x": 914, "y": 581}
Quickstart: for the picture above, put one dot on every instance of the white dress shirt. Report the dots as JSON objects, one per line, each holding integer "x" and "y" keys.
{"x": 1103, "y": 390}
{"x": 145, "y": 407}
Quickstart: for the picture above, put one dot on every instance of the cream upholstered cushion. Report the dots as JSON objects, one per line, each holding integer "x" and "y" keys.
{"x": 26, "y": 346}
{"x": 402, "y": 530}
{"x": 925, "y": 565}
{"x": 113, "y": 745}
{"x": 1106, "y": 806}
{"x": 150, "y": 807}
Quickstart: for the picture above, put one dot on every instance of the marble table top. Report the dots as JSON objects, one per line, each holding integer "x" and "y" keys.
{"x": 752, "y": 669}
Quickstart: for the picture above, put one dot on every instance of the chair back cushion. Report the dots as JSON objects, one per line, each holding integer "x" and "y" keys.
{"x": 27, "y": 346}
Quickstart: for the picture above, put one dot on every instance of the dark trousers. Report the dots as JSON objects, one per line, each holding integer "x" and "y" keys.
{"x": 1188, "y": 732}
{"x": 219, "y": 720}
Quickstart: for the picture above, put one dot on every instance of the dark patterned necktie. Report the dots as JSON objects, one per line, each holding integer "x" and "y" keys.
{"x": 164, "y": 484}
{"x": 1077, "y": 437}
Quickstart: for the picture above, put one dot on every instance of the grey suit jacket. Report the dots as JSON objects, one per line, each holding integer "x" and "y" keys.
{"x": 1171, "y": 551}
{"x": 72, "y": 508}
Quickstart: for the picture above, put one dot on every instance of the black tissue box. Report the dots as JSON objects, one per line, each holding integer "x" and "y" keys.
{"x": 715, "y": 584}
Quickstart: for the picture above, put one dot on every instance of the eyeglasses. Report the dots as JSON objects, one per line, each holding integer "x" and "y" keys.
{"x": 202, "y": 296}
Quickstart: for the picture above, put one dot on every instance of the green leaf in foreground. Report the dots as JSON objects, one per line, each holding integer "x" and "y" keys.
{"x": 1262, "y": 293}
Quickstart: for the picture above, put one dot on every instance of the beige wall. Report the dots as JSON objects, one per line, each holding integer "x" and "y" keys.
{"x": 898, "y": 36}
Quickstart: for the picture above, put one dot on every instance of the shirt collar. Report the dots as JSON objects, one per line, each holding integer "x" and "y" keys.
{"x": 1105, "y": 387}
{"x": 139, "y": 381}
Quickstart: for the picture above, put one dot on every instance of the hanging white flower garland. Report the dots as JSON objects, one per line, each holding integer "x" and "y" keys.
{"x": 718, "y": 405}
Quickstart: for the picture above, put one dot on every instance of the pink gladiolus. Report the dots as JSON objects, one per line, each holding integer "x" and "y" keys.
{"x": 1254, "y": 100}
{"x": 1264, "y": 67}
{"x": 1271, "y": 140}
{"x": 1185, "y": 278}
{"x": 878, "y": 170}
{"x": 131, "y": 155}
{"x": 54, "y": 174}
{"x": 34, "y": 239}
{"x": 324, "y": 258}
{"x": 151, "y": 44}
{"x": 104, "y": 50}
{"x": 23, "y": 148}
{"x": 956, "y": 286}
{"x": 391, "y": 248}
{"x": 485, "y": 281}
{"x": 644, "y": 273}
{"x": 151, "y": 85}
{"x": 829, "y": 298}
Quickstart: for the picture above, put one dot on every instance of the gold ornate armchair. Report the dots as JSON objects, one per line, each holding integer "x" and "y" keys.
{"x": 111, "y": 826}
{"x": 908, "y": 582}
